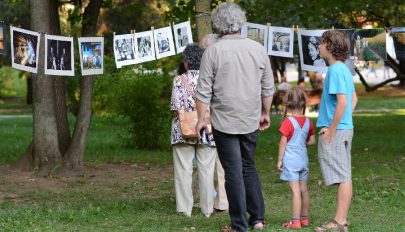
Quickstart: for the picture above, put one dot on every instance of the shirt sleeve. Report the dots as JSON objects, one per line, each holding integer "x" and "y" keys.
{"x": 176, "y": 102}
{"x": 337, "y": 83}
{"x": 311, "y": 129}
{"x": 287, "y": 129}
{"x": 267, "y": 80}
{"x": 206, "y": 77}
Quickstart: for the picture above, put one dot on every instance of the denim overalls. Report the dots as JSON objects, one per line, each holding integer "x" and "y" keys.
{"x": 295, "y": 159}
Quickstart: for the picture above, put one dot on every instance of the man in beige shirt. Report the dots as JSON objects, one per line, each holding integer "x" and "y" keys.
{"x": 236, "y": 81}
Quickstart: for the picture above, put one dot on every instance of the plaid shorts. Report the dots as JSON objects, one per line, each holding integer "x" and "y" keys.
{"x": 335, "y": 157}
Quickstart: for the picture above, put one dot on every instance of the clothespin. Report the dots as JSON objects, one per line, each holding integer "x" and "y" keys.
{"x": 189, "y": 19}
{"x": 268, "y": 24}
{"x": 333, "y": 27}
{"x": 113, "y": 33}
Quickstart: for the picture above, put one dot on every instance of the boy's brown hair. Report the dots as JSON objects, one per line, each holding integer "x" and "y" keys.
{"x": 337, "y": 43}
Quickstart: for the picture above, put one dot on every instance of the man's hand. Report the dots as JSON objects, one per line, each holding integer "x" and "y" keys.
{"x": 327, "y": 134}
{"x": 199, "y": 126}
{"x": 264, "y": 122}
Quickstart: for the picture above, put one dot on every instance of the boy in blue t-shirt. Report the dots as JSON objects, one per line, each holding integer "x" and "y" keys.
{"x": 335, "y": 120}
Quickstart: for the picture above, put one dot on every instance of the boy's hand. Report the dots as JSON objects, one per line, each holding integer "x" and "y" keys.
{"x": 280, "y": 166}
{"x": 327, "y": 134}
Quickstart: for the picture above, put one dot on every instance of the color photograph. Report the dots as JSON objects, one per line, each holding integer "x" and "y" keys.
{"x": 256, "y": 32}
{"x": 59, "y": 59}
{"x": 281, "y": 41}
{"x": 24, "y": 49}
{"x": 370, "y": 44}
{"x": 91, "y": 55}
{"x": 124, "y": 50}
{"x": 3, "y": 41}
{"x": 182, "y": 35}
{"x": 308, "y": 43}
{"x": 164, "y": 42}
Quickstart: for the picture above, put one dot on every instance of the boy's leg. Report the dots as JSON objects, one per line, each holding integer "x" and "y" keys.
{"x": 344, "y": 197}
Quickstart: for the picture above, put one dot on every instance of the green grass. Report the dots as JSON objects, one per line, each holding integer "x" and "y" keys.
{"x": 146, "y": 204}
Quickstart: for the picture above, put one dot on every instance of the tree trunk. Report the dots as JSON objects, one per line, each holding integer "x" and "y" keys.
{"x": 75, "y": 154}
{"x": 46, "y": 153}
{"x": 203, "y": 18}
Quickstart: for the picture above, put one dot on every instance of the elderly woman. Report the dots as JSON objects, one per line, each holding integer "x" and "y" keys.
{"x": 237, "y": 82}
{"x": 185, "y": 149}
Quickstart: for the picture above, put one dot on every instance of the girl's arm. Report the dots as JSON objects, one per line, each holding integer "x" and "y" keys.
{"x": 311, "y": 140}
{"x": 281, "y": 150}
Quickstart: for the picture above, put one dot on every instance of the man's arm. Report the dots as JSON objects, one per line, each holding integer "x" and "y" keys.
{"x": 201, "y": 111}
{"x": 328, "y": 133}
{"x": 265, "y": 116}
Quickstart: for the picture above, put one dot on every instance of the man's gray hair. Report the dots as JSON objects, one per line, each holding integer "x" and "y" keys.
{"x": 228, "y": 18}
{"x": 208, "y": 40}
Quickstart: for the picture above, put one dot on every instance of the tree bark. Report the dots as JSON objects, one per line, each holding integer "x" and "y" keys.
{"x": 203, "y": 18}
{"x": 46, "y": 155}
{"x": 75, "y": 154}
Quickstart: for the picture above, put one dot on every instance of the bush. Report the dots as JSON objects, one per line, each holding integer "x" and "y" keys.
{"x": 145, "y": 99}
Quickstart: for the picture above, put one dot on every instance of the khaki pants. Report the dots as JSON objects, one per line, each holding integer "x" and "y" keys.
{"x": 183, "y": 155}
{"x": 221, "y": 201}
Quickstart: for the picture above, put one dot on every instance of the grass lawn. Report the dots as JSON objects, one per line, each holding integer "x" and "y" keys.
{"x": 130, "y": 190}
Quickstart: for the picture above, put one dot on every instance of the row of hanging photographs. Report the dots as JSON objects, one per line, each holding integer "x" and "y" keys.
{"x": 135, "y": 48}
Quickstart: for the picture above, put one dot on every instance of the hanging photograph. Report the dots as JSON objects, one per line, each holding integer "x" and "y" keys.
{"x": 281, "y": 41}
{"x": 397, "y": 46}
{"x": 370, "y": 44}
{"x": 3, "y": 41}
{"x": 144, "y": 47}
{"x": 182, "y": 35}
{"x": 59, "y": 58}
{"x": 91, "y": 51}
{"x": 256, "y": 32}
{"x": 24, "y": 49}
{"x": 164, "y": 42}
{"x": 308, "y": 43}
{"x": 350, "y": 36}
{"x": 124, "y": 50}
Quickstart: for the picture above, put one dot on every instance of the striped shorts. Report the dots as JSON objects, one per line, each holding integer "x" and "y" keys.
{"x": 335, "y": 157}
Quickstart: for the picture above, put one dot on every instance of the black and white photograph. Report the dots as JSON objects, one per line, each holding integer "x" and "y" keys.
{"x": 397, "y": 46}
{"x": 370, "y": 44}
{"x": 24, "y": 49}
{"x": 182, "y": 35}
{"x": 164, "y": 42}
{"x": 59, "y": 59}
{"x": 3, "y": 41}
{"x": 124, "y": 50}
{"x": 281, "y": 41}
{"x": 144, "y": 47}
{"x": 256, "y": 32}
{"x": 308, "y": 43}
{"x": 91, "y": 50}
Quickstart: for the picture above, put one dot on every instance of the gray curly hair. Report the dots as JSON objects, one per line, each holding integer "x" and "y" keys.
{"x": 228, "y": 18}
{"x": 192, "y": 54}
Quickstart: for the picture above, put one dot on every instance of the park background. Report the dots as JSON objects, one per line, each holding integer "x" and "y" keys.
{"x": 121, "y": 177}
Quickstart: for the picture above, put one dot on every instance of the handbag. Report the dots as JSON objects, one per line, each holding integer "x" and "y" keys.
{"x": 188, "y": 120}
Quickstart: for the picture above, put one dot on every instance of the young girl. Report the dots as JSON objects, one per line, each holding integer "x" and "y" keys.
{"x": 296, "y": 131}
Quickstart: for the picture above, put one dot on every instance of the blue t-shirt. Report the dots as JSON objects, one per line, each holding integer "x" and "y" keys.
{"x": 338, "y": 81}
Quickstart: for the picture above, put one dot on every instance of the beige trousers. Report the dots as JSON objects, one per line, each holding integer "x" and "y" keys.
{"x": 183, "y": 155}
{"x": 221, "y": 201}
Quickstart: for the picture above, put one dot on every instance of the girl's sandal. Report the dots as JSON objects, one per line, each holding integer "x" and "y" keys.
{"x": 332, "y": 225}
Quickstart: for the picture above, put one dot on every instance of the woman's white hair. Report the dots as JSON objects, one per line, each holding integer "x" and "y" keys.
{"x": 228, "y": 18}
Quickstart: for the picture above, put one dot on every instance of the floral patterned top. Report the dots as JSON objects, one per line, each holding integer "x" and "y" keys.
{"x": 182, "y": 99}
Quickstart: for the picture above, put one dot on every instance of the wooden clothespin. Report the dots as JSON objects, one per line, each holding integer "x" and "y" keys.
{"x": 268, "y": 24}
{"x": 333, "y": 27}
{"x": 189, "y": 19}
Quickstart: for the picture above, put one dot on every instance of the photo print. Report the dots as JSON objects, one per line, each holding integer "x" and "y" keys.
{"x": 91, "y": 51}
{"x": 24, "y": 49}
{"x": 370, "y": 44}
{"x": 397, "y": 47}
{"x": 182, "y": 35}
{"x": 59, "y": 59}
{"x": 3, "y": 41}
{"x": 164, "y": 42}
{"x": 256, "y": 32}
{"x": 281, "y": 41}
{"x": 144, "y": 47}
{"x": 124, "y": 50}
{"x": 308, "y": 43}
